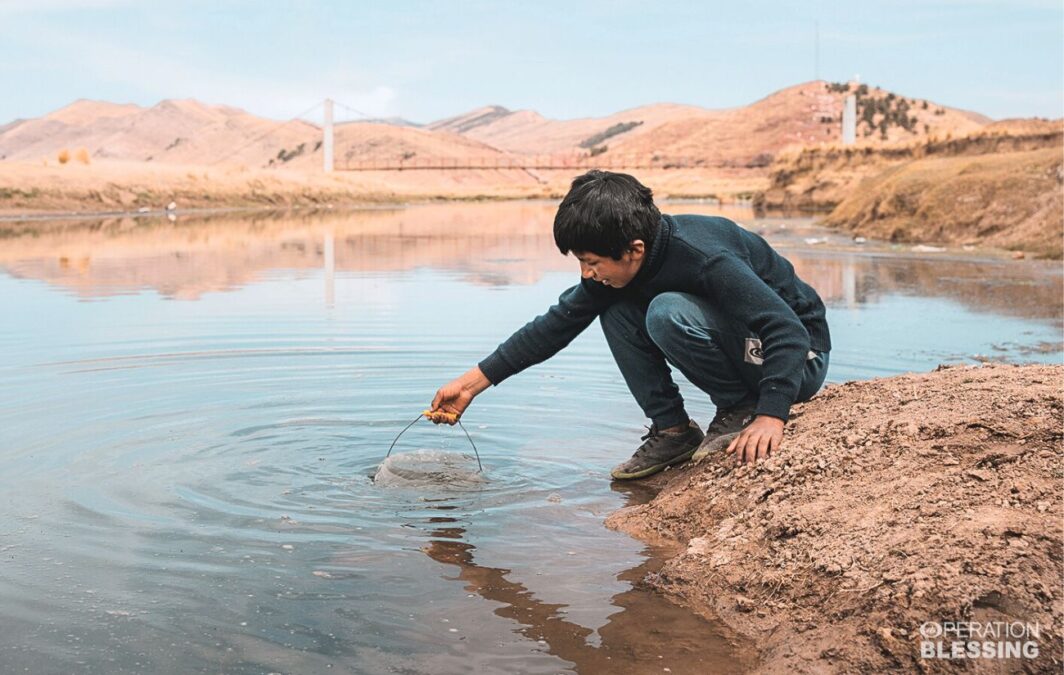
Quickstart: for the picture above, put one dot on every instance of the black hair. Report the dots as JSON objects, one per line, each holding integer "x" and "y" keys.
{"x": 603, "y": 213}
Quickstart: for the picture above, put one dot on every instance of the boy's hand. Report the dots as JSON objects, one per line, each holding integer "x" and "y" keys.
{"x": 453, "y": 398}
{"x": 759, "y": 439}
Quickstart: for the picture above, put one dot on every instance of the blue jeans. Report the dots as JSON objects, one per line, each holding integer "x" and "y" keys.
{"x": 708, "y": 347}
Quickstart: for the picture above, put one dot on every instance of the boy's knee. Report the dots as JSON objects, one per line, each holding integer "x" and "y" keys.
{"x": 665, "y": 318}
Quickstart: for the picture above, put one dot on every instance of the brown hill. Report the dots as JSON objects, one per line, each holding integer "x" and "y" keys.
{"x": 819, "y": 178}
{"x": 1009, "y": 200}
{"x": 803, "y": 115}
{"x": 173, "y": 132}
{"x": 377, "y": 142}
{"x": 528, "y": 132}
{"x": 747, "y": 136}
{"x": 190, "y": 132}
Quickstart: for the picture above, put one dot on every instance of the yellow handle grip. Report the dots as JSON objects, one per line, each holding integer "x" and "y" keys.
{"x": 440, "y": 415}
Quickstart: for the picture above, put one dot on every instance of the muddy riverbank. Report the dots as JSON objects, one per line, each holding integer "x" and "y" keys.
{"x": 898, "y": 501}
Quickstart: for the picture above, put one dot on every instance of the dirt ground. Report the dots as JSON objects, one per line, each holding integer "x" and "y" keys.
{"x": 894, "y": 502}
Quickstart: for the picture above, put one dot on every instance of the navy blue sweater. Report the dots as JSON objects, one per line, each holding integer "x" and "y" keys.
{"x": 709, "y": 257}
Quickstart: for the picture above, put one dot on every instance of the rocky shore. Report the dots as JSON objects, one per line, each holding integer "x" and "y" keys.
{"x": 895, "y": 502}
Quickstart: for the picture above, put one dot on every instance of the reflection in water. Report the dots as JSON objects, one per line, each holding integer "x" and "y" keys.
{"x": 490, "y": 244}
{"x": 646, "y": 634}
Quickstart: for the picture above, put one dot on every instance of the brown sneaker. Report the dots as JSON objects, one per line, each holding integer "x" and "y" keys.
{"x": 726, "y": 425}
{"x": 658, "y": 451}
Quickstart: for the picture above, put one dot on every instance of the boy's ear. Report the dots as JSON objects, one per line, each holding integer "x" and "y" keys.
{"x": 637, "y": 248}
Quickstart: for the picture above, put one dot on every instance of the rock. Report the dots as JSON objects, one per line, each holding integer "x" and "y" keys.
{"x": 743, "y": 603}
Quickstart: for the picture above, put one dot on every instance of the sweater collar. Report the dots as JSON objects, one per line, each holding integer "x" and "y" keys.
{"x": 656, "y": 252}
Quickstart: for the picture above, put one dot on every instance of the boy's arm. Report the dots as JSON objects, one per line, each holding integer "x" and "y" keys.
{"x": 537, "y": 341}
{"x": 546, "y": 335}
{"x": 785, "y": 341}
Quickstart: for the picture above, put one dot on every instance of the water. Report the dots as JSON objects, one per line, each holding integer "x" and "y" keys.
{"x": 190, "y": 413}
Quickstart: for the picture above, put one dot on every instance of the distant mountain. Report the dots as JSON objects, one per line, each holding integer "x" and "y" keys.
{"x": 748, "y": 135}
{"x": 190, "y": 132}
{"x": 375, "y": 142}
{"x": 463, "y": 124}
{"x": 4, "y": 128}
{"x": 172, "y": 131}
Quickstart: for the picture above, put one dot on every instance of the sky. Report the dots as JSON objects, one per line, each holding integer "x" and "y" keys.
{"x": 425, "y": 60}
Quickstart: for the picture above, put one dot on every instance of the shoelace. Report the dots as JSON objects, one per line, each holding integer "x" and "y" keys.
{"x": 652, "y": 435}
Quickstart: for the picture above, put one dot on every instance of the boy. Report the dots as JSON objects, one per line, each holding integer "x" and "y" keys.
{"x": 697, "y": 292}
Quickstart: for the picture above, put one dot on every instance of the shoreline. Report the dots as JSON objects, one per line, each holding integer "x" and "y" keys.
{"x": 925, "y": 201}
{"x": 944, "y": 250}
{"x": 894, "y": 501}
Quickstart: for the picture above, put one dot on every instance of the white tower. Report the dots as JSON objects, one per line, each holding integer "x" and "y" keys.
{"x": 327, "y": 136}
{"x": 849, "y": 120}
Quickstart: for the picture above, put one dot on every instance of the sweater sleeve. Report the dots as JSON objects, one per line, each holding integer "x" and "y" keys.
{"x": 547, "y": 334}
{"x": 784, "y": 340}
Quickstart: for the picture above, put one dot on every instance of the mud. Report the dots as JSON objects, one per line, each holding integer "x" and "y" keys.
{"x": 894, "y": 502}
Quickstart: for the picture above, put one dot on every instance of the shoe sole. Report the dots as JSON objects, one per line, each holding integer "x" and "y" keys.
{"x": 651, "y": 470}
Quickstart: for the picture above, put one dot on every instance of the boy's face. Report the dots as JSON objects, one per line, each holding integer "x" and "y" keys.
{"x": 606, "y": 270}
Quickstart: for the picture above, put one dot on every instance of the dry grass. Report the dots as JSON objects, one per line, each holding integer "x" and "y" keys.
{"x": 1011, "y": 200}
{"x": 27, "y": 187}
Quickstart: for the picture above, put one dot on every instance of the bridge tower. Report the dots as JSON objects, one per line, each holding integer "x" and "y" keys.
{"x": 327, "y": 137}
{"x": 849, "y": 120}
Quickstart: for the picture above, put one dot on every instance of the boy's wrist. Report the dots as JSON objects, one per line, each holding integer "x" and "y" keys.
{"x": 772, "y": 418}
{"x": 474, "y": 381}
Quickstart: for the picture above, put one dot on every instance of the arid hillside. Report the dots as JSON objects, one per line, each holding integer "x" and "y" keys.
{"x": 1010, "y": 200}
{"x": 748, "y": 136}
{"x": 528, "y": 132}
{"x": 192, "y": 133}
{"x": 1001, "y": 186}
{"x": 170, "y": 132}
{"x": 819, "y": 178}
{"x": 187, "y": 132}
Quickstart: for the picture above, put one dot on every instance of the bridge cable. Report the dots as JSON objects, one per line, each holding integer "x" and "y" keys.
{"x": 273, "y": 130}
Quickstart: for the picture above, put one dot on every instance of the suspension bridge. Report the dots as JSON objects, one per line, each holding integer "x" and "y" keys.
{"x": 497, "y": 161}
{"x": 524, "y": 162}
